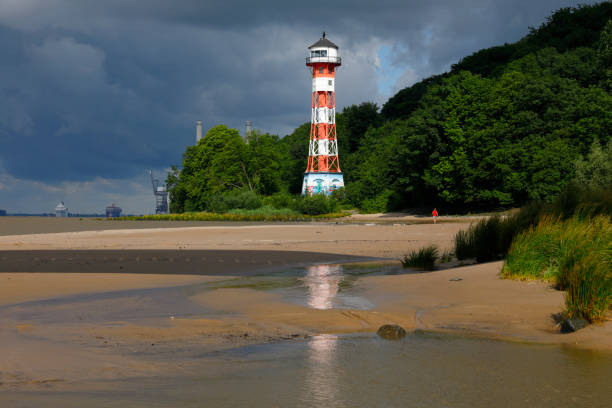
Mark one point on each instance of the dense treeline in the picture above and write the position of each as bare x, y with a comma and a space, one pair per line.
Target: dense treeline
505, 126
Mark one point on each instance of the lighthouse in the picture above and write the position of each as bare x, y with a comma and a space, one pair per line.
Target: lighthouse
323, 175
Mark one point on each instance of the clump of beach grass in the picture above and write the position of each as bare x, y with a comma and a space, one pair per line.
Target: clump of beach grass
424, 258
589, 288
575, 254
489, 238
447, 256
481, 240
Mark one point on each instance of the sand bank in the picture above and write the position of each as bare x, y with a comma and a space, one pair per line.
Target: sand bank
372, 240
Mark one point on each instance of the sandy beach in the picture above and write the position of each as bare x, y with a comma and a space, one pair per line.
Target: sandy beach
91, 295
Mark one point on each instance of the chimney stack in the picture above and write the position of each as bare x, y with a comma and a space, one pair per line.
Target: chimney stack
248, 128
198, 130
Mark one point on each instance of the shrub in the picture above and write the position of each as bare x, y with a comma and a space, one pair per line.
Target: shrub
383, 202
236, 215
217, 204
265, 211
281, 200
424, 258
317, 204
246, 199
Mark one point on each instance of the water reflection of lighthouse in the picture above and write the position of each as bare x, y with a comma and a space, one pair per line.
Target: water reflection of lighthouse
321, 385
322, 282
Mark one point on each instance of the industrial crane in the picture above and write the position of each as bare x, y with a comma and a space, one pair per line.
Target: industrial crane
161, 195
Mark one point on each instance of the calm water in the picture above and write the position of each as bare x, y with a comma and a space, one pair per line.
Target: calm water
319, 287
422, 370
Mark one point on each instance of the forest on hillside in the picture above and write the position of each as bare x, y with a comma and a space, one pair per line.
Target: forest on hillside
505, 126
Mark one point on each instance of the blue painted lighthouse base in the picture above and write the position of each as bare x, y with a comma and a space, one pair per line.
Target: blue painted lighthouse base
321, 183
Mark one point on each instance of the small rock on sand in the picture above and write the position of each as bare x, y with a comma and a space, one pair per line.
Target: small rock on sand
391, 332
571, 325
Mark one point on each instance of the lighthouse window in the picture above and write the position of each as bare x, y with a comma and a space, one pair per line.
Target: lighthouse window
329, 82
318, 53
321, 70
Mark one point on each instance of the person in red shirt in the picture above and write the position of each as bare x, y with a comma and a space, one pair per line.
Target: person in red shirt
434, 213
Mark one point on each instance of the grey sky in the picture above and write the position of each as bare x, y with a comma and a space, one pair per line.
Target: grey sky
94, 93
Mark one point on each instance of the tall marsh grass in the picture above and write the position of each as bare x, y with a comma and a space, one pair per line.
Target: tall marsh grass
567, 242
490, 238
575, 254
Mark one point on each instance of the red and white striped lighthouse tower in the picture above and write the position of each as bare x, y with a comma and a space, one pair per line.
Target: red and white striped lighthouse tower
323, 173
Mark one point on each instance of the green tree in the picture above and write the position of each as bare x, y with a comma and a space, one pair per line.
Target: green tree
356, 121
176, 191
263, 167
604, 52
294, 149
595, 171
218, 163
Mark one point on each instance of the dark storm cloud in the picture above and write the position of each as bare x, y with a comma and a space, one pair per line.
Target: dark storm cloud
106, 89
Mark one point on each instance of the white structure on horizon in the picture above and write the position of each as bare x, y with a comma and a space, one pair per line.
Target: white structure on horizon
61, 210
248, 128
198, 131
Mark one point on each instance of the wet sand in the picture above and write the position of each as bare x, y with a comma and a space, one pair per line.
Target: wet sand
102, 325
211, 262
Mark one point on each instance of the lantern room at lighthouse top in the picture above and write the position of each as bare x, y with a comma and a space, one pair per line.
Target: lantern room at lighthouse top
323, 51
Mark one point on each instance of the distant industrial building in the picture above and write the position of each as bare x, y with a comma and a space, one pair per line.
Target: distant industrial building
2, 213
112, 211
61, 210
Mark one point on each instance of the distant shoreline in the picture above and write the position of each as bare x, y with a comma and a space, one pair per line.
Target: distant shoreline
25, 225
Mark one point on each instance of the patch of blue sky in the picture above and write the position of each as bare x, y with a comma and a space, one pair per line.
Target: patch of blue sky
389, 71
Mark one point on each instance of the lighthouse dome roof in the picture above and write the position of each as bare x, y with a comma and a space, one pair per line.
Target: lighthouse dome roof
324, 42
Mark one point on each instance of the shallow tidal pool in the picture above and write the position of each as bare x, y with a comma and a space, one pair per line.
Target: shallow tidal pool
422, 370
